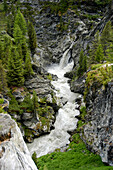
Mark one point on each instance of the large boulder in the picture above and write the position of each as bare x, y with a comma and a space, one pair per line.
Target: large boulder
14, 154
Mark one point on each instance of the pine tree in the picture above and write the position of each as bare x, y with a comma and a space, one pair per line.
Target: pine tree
109, 53
20, 21
28, 71
17, 34
99, 54
15, 69
3, 81
94, 47
106, 36
24, 49
82, 64
32, 38
19, 49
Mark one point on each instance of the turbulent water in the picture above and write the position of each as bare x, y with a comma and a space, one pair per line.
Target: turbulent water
65, 120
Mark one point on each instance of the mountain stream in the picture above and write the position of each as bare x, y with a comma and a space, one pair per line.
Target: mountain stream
65, 119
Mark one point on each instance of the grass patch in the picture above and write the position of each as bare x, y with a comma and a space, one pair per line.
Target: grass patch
77, 157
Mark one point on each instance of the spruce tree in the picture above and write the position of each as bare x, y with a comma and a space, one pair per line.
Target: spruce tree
17, 34
3, 80
24, 49
109, 53
32, 38
20, 21
99, 54
15, 69
28, 71
82, 64
94, 47
106, 36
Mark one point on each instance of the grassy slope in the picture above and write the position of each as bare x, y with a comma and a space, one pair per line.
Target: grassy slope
77, 158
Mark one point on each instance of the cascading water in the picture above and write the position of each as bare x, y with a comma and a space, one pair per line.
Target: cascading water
65, 120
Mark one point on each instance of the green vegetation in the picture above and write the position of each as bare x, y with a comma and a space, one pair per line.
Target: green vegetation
98, 78
76, 157
15, 50
32, 37
82, 64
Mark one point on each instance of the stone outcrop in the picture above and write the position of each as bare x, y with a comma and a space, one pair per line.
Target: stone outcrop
97, 132
14, 154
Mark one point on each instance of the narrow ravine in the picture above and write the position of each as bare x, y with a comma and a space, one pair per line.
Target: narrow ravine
65, 120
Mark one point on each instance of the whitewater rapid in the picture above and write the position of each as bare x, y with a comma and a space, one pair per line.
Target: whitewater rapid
65, 120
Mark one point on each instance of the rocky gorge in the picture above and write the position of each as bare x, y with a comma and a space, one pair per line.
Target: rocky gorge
58, 32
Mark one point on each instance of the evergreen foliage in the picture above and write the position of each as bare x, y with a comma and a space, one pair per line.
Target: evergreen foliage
3, 80
27, 104
28, 71
17, 35
20, 21
106, 36
82, 64
32, 37
15, 69
13, 106
94, 47
99, 56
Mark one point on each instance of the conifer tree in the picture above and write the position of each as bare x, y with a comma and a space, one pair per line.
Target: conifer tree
15, 69
106, 36
28, 71
32, 38
109, 53
17, 34
82, 64
19, 49
20, 21
99, 54
24, 49
3, 81
94, 47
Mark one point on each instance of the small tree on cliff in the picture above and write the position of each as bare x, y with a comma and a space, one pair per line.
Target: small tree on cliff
107, 36
32, 38
82, 64
99, 54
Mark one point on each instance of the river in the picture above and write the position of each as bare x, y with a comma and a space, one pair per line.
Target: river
65, 120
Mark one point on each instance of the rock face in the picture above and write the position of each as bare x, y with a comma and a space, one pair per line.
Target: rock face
97, 132
14, 154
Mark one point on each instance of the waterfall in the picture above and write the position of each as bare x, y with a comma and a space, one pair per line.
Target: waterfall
65, 120
65, 58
